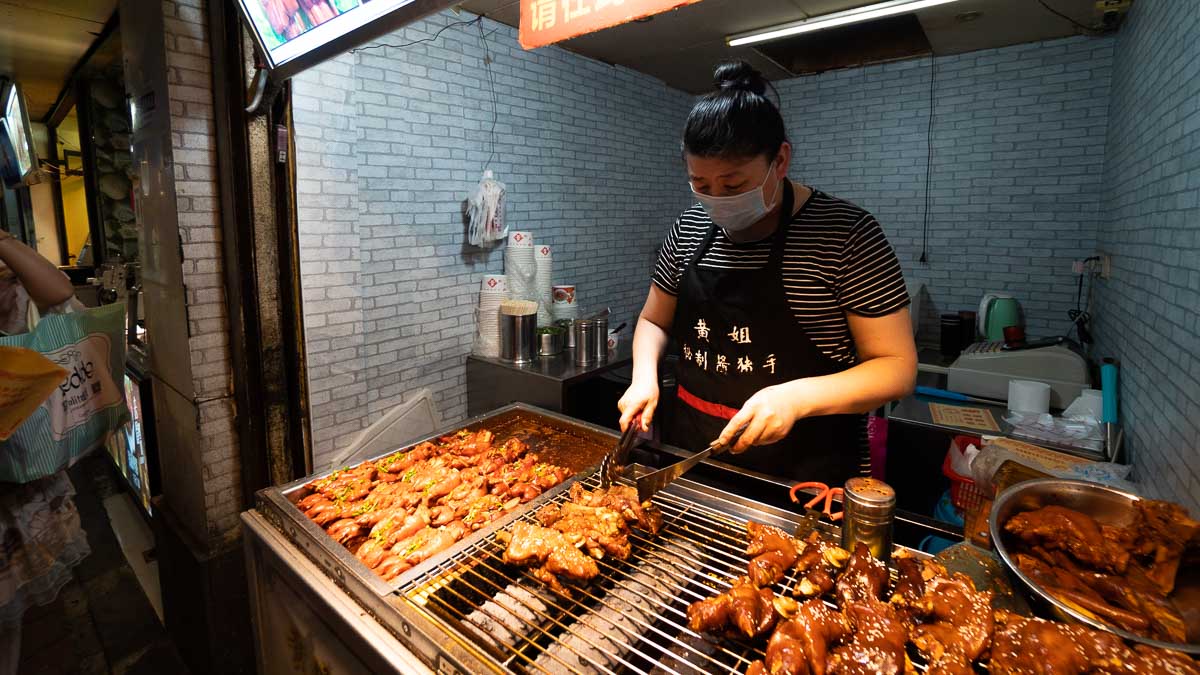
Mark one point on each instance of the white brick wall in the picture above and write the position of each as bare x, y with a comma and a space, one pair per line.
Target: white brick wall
1148, 314
189, 79
1018, 146
389, 144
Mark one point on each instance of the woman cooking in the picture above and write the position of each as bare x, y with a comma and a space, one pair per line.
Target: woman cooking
787, 305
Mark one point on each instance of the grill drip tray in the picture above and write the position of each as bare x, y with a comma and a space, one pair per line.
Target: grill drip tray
630, 619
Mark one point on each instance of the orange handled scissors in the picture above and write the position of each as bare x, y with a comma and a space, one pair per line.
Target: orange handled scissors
824, 492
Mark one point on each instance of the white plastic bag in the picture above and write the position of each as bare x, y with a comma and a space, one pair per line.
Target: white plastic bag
485, 211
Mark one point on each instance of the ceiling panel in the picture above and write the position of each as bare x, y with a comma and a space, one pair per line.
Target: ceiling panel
681, 47
42, 40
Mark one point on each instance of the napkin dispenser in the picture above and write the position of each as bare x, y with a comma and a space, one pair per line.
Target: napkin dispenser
985, 368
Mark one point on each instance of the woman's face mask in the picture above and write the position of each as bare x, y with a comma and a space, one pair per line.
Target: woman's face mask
740, 211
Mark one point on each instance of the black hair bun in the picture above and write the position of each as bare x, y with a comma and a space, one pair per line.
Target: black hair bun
740, 76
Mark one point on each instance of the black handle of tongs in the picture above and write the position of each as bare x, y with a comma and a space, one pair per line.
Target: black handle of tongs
717, 448
620, 455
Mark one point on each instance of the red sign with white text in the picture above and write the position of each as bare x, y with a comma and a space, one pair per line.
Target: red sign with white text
544, 22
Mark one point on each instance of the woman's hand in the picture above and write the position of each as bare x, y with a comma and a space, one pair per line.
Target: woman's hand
768, 416
638, 403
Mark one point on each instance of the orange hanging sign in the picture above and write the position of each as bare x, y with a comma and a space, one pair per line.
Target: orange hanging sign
544, 22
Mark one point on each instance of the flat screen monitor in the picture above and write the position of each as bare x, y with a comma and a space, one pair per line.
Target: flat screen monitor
17, 155
296, 34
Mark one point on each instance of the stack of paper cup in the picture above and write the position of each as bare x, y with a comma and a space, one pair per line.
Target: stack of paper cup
544, 273
563, 304
492, 291
1027, 396
519, 266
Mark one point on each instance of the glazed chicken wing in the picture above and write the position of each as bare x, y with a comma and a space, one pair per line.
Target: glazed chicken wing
959, 626
1063, 529
1036, 646
774, 552
817, 566
599, 530
876, 643
744, 608
622, 499
865, 578
800, 645
551, 550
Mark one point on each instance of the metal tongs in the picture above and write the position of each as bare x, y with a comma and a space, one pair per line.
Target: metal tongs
651, 483
615, 460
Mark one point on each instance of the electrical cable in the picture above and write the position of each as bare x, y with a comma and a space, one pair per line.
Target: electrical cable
477, 20
487, 64
928, 159
1089, 29
1080, 317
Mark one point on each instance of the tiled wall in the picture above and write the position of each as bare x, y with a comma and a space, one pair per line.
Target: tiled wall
590, 156
193, 150
1148, 313
1018, 150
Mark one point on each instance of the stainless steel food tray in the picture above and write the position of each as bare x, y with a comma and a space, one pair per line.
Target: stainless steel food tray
409, 607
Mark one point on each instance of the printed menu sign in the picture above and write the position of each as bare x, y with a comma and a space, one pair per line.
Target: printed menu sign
544, 22
965, 418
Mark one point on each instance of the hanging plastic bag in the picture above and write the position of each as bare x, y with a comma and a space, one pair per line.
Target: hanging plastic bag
85, 408
485, 212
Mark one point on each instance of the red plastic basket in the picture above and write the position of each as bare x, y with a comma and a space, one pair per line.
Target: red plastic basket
964, 493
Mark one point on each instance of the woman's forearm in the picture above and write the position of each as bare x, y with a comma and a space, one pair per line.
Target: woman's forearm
860, 389
45, 284
649, 343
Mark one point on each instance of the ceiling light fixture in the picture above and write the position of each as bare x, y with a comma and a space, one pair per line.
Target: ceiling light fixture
874, 11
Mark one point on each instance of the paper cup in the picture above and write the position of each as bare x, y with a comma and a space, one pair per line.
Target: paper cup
494, 283
563, 294
1027, 396
520, 239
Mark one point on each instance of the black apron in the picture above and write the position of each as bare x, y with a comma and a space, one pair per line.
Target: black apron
737, 335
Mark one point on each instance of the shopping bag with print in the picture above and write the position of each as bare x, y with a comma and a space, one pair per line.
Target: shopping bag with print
86, 407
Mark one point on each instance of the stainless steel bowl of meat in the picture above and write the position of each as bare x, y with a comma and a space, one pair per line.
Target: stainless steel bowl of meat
1105, 558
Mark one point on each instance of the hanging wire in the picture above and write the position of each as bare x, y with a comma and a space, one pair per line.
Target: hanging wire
928, 158
477, 20
1084, 27
487, 64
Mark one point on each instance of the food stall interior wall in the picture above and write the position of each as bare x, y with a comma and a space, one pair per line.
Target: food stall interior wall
1015, 184
74, 196
41, 195
391, 141
1149, 310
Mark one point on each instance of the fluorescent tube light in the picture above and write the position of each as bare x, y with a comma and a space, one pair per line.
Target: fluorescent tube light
874, 11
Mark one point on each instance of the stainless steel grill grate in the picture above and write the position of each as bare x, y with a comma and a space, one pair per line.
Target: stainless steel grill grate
630, 619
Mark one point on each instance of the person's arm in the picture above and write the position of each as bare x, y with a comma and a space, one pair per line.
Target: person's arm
45, 284
887, 370
650, 339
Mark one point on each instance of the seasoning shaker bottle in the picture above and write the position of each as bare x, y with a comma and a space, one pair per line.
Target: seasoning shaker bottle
870, 508
600, 341
585, 338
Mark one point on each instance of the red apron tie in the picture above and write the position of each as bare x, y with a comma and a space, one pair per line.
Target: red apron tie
714, 409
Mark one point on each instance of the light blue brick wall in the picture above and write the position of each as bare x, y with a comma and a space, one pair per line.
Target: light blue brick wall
1018, 152
1148, 313
390, 142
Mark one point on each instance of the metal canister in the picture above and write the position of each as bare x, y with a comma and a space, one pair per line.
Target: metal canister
550, 343
518, 338
568, 326
584, 331
600, 341
870, 508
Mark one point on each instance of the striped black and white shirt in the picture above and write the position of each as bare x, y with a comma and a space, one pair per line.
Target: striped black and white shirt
837, 260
